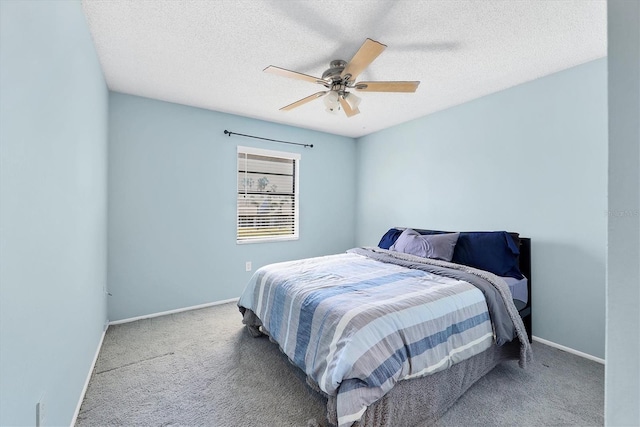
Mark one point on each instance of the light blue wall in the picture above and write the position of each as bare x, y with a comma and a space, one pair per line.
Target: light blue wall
172, 203
622, 373
531, 159
53, 142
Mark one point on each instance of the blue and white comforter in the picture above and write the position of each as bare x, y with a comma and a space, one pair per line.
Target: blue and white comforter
356, 325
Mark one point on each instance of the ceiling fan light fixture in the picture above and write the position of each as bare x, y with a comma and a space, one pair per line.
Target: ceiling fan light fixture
352, 100
331, 102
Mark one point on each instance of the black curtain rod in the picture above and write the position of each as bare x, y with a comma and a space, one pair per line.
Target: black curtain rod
227, 132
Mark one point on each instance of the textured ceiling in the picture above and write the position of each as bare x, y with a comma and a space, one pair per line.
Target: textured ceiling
211, 54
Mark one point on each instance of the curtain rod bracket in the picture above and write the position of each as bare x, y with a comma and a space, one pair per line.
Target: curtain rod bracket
229, 133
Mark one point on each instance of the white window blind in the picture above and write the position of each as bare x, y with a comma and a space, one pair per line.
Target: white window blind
267, 195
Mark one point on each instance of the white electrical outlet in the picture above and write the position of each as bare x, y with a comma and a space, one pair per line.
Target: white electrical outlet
247, 266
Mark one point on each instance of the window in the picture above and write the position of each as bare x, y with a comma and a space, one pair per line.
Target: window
267, 195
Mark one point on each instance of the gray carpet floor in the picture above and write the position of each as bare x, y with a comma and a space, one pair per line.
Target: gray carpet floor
201, 368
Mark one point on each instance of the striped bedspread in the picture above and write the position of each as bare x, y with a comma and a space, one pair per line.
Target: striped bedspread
356, 326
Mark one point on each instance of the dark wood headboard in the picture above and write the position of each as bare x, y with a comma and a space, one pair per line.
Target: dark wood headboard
525, 268
525, 260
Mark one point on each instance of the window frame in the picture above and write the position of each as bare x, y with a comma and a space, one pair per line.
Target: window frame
295, 157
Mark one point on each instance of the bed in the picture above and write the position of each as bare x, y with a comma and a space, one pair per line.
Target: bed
395, 334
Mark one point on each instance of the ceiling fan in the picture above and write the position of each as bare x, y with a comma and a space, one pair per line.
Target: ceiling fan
341, 76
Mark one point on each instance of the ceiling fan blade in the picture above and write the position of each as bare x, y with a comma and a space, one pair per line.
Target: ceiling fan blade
347, 108
303, 101
369, 51
387, 86
291, 74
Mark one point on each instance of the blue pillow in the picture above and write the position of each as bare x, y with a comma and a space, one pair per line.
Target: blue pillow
389, 238
493, 251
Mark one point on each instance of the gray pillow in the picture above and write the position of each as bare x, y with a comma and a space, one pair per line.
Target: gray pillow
436, 246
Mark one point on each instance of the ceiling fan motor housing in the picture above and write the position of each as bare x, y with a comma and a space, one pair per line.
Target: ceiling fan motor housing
335, 70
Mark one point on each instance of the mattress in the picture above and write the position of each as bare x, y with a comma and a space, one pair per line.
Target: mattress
518, 288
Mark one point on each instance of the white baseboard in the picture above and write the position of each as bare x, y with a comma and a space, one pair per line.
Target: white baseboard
568, 350
86, 382
178, 310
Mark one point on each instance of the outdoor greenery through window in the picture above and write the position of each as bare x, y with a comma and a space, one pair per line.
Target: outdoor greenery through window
267, 195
